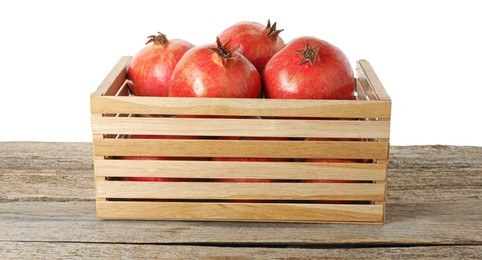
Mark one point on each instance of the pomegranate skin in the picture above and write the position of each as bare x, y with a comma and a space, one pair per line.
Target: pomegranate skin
257, 42
202, 72
325, 74
150, 70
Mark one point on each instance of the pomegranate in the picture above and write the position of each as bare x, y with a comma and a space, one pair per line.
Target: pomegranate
309, 68
258, 43
215, 71
150, 70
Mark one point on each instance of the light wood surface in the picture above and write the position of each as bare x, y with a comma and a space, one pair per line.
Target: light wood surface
248, 170
47, 210
241, 148
239, 107
242, 190
241, 127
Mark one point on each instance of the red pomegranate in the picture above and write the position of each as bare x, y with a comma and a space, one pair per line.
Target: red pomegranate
309, 68
215, 70
150, 70
258, 43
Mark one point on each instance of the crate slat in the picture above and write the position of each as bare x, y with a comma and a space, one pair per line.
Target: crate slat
240, 212
241, 148
241, 190
247, 170
240, 127
240, 107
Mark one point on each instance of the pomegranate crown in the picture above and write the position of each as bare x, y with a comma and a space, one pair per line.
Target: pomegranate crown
309, 54
225, 51
160, 38
271, 30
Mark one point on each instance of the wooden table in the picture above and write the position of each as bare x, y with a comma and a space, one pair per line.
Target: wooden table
47, 210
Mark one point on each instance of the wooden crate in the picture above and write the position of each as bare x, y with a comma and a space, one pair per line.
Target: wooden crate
298, 191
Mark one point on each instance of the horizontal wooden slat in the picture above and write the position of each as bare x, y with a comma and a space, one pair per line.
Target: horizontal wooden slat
246, 170
240, 107
241, 190
241, 148
115, 79
240, 127
239, 212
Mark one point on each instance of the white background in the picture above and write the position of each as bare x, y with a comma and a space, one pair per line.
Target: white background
428, 55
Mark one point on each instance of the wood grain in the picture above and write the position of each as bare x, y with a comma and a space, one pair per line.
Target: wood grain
47, 208
253, 212
32, 171
241, 148
241, 127
449, 223
240, 107
241, 190
43, 250
247, 170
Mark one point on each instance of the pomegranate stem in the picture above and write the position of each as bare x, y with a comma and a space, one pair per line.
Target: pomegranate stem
160, 38
271, 30
224, 50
